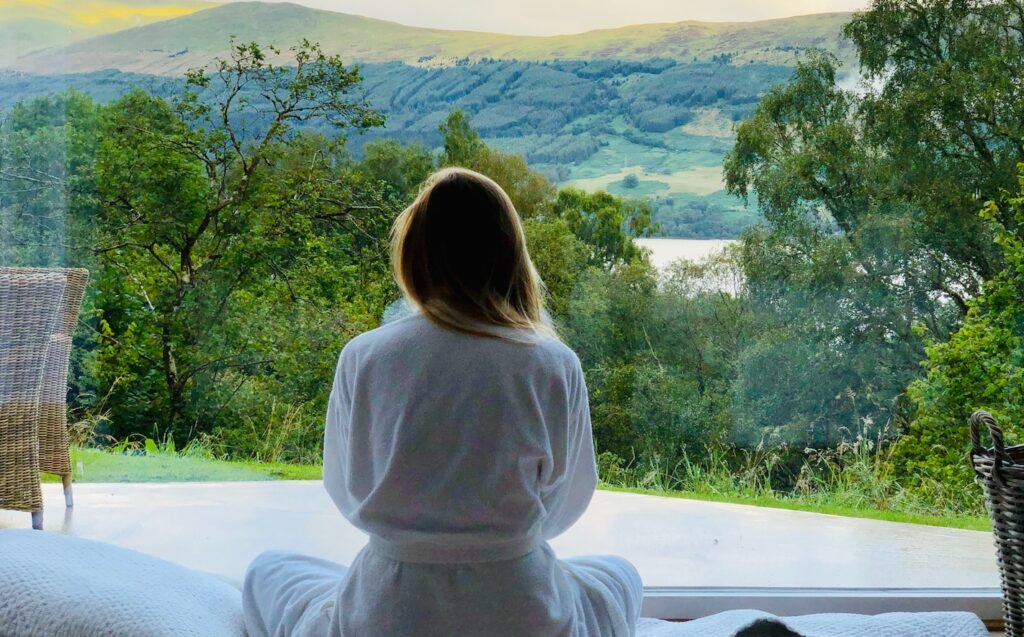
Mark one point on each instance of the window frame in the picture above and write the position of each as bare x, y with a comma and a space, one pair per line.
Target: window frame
686, 603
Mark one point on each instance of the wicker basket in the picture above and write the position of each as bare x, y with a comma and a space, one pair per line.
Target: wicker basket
1001, 473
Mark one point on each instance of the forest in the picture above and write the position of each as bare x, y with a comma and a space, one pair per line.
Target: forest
237, 243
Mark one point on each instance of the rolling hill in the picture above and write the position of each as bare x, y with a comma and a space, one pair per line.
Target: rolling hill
27, 26
171, 46
640, 111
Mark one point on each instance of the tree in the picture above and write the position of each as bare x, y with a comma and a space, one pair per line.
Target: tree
202, 205
605, 223
462, 143
402, 168
47, 157
980, 367
871, 241
529, 190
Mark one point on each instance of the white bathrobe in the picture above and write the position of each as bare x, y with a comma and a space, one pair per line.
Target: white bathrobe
460, 456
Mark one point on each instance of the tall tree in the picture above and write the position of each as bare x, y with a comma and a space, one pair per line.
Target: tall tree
190, 225
869, 195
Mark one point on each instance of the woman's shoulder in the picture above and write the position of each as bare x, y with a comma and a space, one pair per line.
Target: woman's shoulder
557, 349
414, 332
399, 329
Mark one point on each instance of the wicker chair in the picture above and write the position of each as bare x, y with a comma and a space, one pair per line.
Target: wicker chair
54, 450
30, 303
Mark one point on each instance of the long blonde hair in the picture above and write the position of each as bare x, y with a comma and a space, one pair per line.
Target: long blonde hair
459, 254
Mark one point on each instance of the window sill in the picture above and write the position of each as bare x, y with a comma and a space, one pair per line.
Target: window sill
676, 603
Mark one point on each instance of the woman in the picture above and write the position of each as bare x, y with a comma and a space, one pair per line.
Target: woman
459, 439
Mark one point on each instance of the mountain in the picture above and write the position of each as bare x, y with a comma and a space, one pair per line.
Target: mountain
641, 111
28, 26
648, 128
172, 46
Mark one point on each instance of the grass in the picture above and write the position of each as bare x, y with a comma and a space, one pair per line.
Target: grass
97, 465
971, 523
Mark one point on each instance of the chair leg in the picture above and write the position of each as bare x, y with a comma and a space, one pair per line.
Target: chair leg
37, 520
69, 500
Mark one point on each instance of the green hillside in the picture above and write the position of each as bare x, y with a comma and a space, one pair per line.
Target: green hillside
656, 129
27, 26
171, 46
640, 111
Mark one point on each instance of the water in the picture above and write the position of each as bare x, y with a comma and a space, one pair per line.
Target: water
666, 251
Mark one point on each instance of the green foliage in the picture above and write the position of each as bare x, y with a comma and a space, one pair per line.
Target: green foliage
872, 246
401, 168
227, 264
659, 359
529, 190
560, 258
980, 367
606, 223
462, 142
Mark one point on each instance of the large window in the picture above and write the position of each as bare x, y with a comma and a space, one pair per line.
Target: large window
789, 263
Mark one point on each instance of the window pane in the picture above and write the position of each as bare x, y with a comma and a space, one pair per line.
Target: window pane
784, 248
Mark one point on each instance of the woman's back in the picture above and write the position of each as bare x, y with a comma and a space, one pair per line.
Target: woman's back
472, 435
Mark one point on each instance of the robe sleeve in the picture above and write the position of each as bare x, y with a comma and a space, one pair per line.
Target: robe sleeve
574, 477
336, 436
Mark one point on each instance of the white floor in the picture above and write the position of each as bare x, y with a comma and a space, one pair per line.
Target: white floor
220, 527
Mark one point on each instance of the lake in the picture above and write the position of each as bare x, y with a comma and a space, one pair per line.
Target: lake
664, 251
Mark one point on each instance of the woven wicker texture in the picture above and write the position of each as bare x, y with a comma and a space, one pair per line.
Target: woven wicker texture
30, 302
54, 451
1001, 473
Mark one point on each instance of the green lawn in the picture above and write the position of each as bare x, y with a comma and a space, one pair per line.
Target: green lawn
971, 523
94, 465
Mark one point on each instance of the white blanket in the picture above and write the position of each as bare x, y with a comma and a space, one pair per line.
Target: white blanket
57, 586
53, 585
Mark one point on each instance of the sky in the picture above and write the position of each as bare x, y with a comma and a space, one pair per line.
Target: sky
551, 17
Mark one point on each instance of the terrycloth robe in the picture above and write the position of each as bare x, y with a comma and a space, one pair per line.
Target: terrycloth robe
460, 456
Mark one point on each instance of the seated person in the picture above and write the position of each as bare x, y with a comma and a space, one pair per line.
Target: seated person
459, 439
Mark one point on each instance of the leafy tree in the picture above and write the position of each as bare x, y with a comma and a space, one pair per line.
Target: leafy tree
206, 214
47, 156
402, 168
981, 366
606, 223
529, 190
560, 258
871, 240
462, 142
948, 114
48, 205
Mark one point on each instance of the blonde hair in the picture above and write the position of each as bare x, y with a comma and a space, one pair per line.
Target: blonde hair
459, 254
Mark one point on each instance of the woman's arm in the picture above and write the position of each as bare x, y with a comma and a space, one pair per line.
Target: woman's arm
575, 472
336, 451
